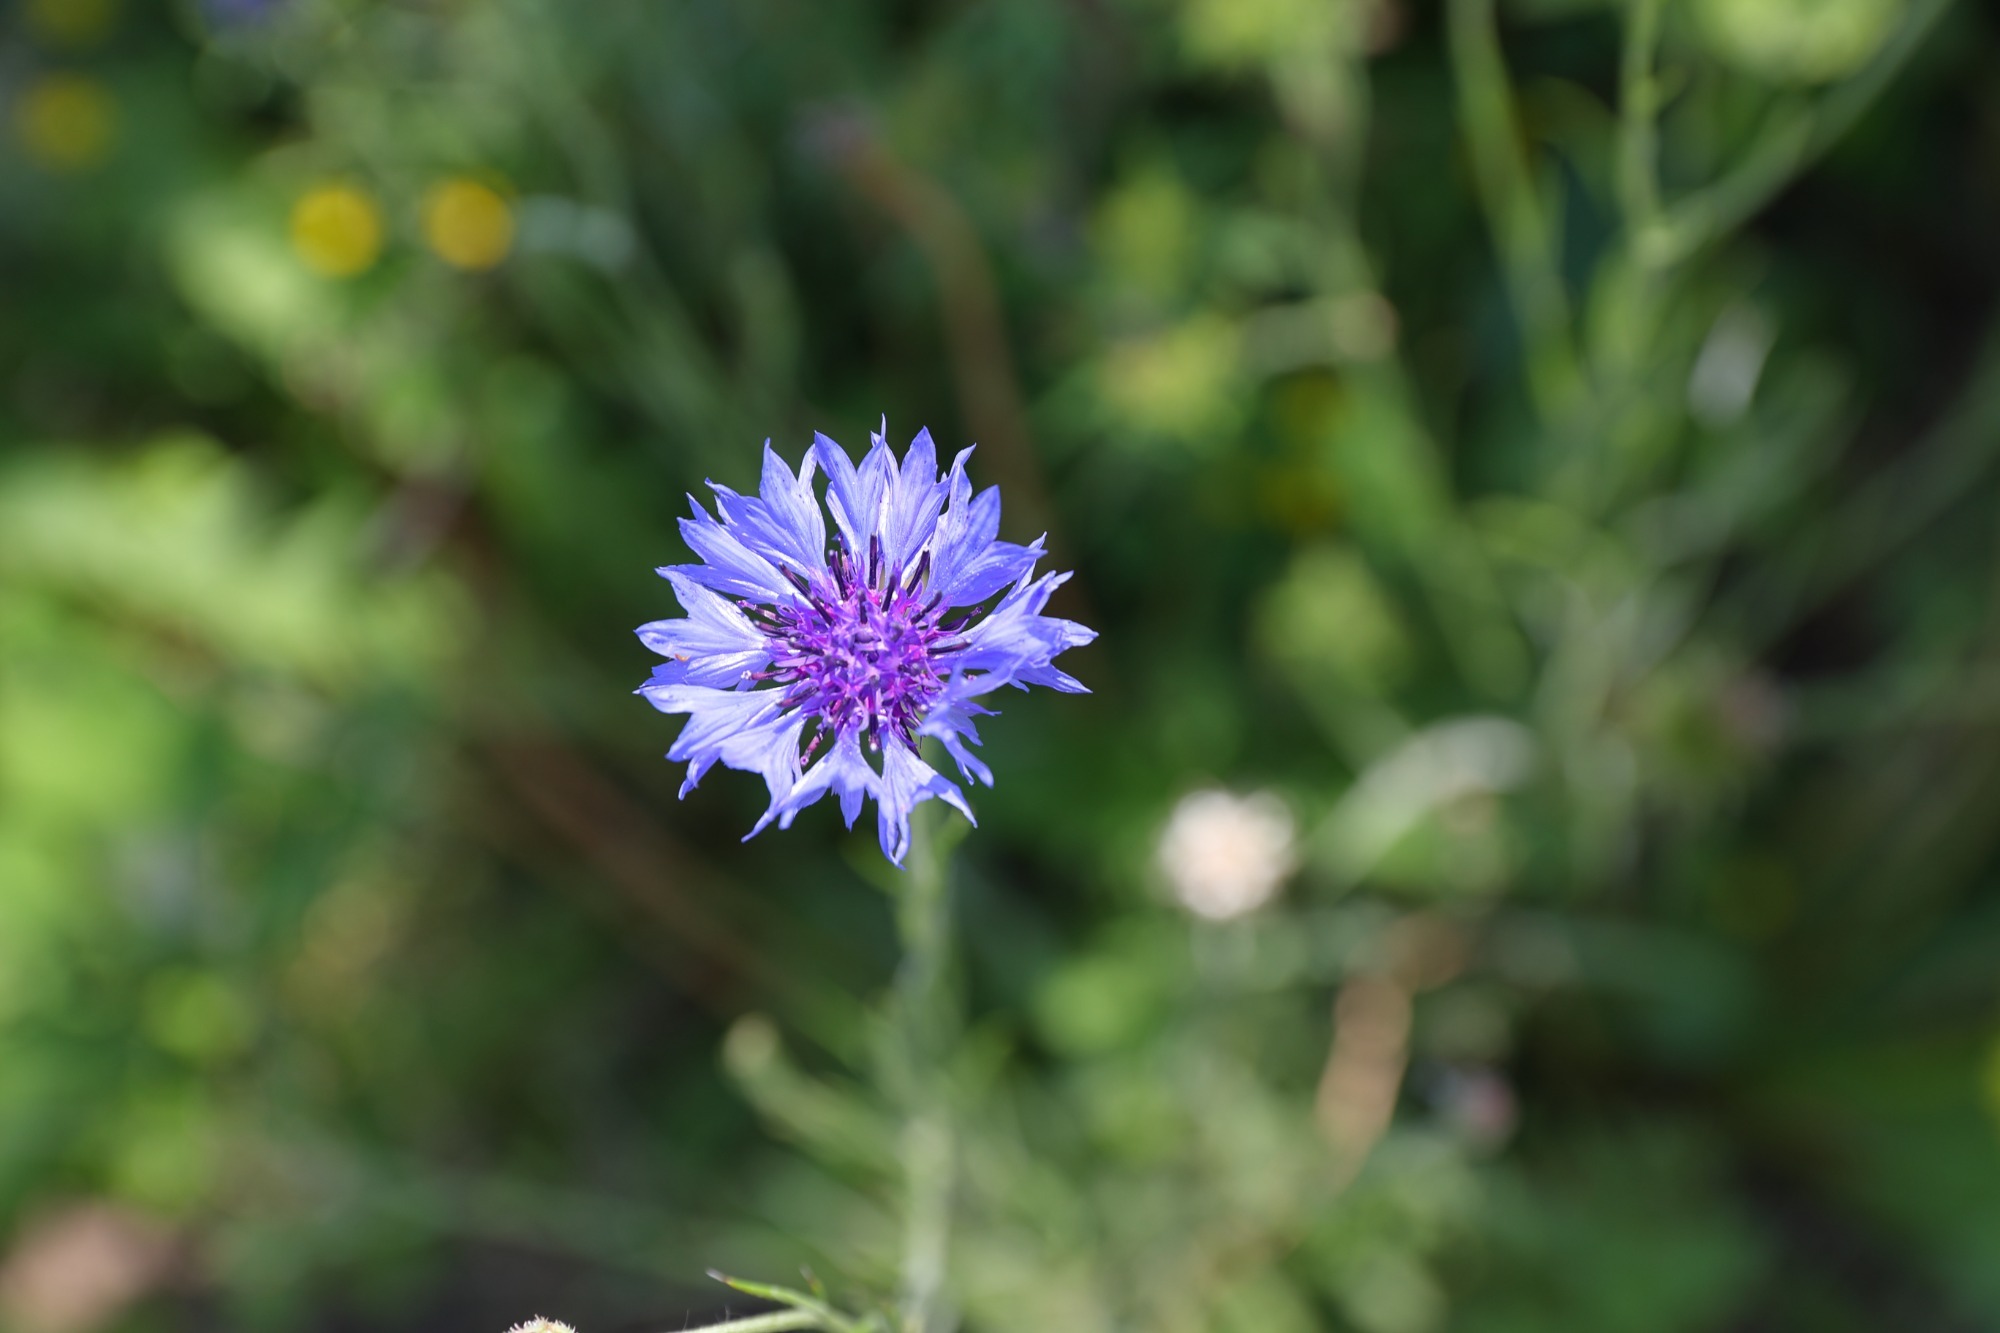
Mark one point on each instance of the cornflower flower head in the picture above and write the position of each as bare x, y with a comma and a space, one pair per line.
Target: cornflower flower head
819, 661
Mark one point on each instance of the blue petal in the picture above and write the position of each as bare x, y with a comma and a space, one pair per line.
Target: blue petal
951, 725
1053, 677
740, 729
1018, 642
715, 644
910, 504
771, 749
841, 770
730, 566
964, 529
783, 520
715, 717
907, 782
841, 483
967, 564
997, 566
854, 496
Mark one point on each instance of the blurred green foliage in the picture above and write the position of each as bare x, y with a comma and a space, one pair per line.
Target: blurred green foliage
1552, 449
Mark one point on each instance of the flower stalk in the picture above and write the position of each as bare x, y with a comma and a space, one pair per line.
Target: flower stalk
925, 1028
824, 657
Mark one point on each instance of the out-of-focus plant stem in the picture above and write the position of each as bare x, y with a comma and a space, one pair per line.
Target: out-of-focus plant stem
1370, 1054
1623, 329
1887, 512
924, 1023
1789, 147
1506, 186
1327, 101
1638, 118
775, 1322
975, 326
804, 1310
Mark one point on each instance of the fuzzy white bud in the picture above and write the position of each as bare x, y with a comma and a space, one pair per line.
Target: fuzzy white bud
1225, 854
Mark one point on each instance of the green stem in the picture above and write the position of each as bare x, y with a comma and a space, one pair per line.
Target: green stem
778, 1321
925, 1027
1626, 325
1514, 214
1638, 120
1787, 150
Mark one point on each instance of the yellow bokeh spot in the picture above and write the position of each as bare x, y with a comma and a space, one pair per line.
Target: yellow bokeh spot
1181, 383
70, 22
66, 122
336, 230
468, 224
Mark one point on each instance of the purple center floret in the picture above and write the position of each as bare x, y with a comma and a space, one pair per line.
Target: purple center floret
863, 654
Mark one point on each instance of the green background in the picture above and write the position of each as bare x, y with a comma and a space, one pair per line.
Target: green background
1564, 477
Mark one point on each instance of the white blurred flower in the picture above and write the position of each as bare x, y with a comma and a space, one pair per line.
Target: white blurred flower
540, 1325
1225, 854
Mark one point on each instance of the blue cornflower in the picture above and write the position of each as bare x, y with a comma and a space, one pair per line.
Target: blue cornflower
857, 647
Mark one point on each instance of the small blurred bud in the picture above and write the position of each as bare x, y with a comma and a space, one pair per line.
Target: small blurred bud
1224, 854
541, 1325
66, 122
1477, 1102
337, 230
1797, 41
1363, 326
750, 1046
467, 224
